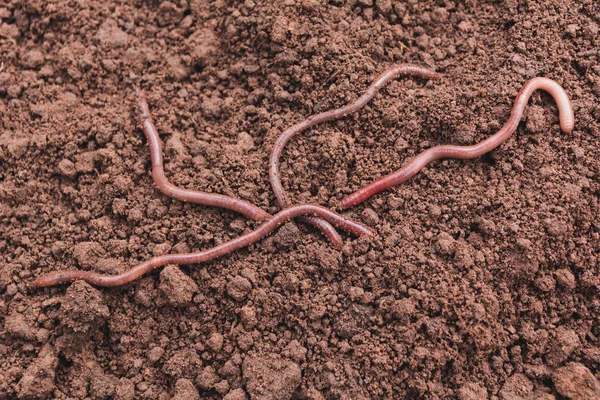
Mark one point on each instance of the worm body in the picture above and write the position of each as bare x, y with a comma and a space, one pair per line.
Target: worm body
59, 277
566, 118
190, 196
198, 197
286, 136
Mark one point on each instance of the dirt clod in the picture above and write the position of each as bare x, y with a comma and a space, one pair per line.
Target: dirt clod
215, 342
472, 391
576, 381
111, 35
183, 363
270, 377
517, 387
16, 325
236, 394
185, 390
38, 380
125, 390
33, 59
565, 341
207, 378
565, 278
6, 275
177, 287
83, 308
67, 168
239, 287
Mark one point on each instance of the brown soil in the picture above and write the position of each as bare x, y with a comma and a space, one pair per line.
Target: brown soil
483, 277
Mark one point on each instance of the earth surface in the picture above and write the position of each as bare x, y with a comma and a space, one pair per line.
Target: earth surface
482, 279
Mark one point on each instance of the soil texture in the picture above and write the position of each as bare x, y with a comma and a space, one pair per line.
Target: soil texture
482, 280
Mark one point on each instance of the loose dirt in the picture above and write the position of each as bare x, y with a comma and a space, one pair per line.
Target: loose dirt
481, 282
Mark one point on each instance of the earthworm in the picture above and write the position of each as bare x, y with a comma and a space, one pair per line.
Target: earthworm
566, 118
190, 196
286, 136
59, 277
193, 196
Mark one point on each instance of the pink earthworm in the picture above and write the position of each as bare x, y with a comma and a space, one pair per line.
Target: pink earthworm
190, 196
198, 197
566, 118
286, 136
60, 277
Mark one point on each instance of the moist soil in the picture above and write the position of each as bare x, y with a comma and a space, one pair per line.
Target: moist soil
480, 281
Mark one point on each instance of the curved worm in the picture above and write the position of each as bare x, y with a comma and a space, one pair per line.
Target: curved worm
59, 277
566, 118
190, 196
394, 72
193, 196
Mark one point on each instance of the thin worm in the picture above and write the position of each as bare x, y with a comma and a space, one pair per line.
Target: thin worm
193, 196
286, 136
60, 277
566, 118
190, 196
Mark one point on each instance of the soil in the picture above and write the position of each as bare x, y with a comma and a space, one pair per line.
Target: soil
482, 280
